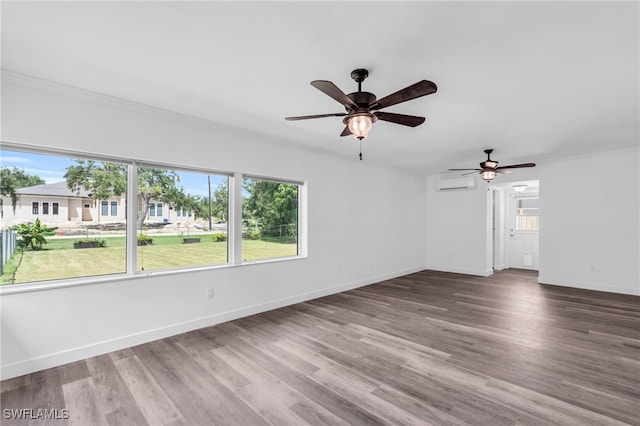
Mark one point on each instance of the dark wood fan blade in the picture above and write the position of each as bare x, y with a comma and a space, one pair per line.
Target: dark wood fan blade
346, 131
462, 170
517, 166
330, 89
306, 117
421, 88
405, 120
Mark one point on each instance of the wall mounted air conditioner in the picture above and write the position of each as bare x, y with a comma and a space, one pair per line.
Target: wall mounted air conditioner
459, 183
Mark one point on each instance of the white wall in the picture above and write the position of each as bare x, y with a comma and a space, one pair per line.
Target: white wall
364, 224
458, 231
589, 225
590, 222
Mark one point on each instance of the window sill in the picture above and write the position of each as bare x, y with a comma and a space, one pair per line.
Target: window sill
8, 289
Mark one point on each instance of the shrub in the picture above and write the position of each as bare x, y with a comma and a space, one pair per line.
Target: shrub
32, 234
219, 237
101, 242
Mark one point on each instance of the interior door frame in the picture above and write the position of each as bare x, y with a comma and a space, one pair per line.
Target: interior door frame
499, 220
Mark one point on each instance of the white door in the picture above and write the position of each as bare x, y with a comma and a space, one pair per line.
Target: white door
524, 227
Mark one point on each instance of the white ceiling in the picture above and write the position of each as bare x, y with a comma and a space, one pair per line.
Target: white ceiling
532, 80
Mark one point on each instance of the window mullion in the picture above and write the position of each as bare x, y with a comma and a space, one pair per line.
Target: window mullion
132, 214
302, 220
234, 222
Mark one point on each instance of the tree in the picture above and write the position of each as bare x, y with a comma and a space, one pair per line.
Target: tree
14, 178
188, 202
32, 234
200, 204
272, 206
159, 185
220, 202
103, 180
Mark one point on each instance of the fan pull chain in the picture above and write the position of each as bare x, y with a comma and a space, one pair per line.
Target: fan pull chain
360, 149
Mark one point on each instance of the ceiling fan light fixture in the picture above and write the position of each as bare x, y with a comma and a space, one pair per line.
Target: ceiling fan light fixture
360, 125
488, 175
489, 168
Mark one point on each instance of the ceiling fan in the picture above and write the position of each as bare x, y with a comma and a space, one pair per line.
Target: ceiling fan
362, 107
489, 168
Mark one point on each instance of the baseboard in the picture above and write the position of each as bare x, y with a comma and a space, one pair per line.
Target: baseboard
587, 285
79, 353
500, 267
465, 271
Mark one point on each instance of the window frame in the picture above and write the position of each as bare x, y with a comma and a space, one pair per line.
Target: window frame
134, 211
301, 196
516, 200
234, 221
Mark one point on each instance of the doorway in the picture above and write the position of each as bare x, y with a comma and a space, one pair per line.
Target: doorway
524, 227
516, 225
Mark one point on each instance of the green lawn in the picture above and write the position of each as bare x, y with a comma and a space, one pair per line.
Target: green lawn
59, 259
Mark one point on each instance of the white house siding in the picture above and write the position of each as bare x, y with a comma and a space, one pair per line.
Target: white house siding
70, 209
98, 215
75, 209
169, 214
24, 209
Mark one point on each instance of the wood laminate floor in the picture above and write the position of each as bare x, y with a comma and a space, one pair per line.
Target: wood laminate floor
427, 348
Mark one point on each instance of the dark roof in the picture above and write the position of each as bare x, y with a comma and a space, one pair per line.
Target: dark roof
58, 189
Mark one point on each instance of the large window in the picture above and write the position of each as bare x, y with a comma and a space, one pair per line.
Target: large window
166, 241
78, 244
178, 218
270, 219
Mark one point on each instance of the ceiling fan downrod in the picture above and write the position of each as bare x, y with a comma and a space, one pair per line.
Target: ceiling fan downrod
359, 76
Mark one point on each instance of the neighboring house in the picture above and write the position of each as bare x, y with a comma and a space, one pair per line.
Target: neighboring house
56, 203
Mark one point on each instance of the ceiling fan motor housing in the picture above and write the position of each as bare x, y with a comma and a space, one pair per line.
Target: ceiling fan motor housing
362, 99
489, 163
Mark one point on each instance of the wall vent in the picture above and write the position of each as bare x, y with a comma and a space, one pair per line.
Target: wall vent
459, 183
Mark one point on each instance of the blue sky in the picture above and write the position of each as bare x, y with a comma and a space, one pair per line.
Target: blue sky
52, 168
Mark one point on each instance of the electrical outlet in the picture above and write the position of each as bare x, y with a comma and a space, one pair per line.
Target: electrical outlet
210, 293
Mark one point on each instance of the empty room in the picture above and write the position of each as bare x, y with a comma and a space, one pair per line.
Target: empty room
320, 213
